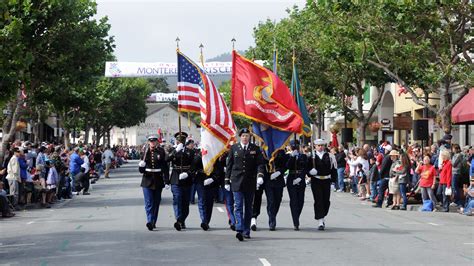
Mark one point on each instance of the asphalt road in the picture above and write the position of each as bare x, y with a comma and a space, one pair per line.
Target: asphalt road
108, 228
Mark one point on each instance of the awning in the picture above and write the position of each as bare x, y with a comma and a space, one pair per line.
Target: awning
463, 111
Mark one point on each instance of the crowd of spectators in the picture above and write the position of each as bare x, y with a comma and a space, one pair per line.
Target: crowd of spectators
39, 175
440, 177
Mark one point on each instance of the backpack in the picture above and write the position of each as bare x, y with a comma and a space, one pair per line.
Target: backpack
427, 206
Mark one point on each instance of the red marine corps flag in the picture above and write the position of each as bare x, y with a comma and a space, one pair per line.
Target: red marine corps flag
261, 96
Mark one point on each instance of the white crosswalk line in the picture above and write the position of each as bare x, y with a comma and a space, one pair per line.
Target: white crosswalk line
264, 262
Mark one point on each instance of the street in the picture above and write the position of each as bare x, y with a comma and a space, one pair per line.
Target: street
108, 228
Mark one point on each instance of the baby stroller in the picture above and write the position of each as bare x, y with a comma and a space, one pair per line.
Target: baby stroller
415, 192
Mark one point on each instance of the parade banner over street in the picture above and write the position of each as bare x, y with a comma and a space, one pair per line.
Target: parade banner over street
143, 69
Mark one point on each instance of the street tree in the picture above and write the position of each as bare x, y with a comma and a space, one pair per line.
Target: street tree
425, 45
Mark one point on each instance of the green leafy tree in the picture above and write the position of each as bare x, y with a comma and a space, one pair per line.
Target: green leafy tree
425, 45
118, 102
331, 57
159, 85
57, 50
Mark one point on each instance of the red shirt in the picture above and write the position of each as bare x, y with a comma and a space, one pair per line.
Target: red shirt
427, 174
379, 160
446, 173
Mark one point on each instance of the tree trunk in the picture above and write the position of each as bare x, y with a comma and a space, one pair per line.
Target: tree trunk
67, 141
108, 137
9, 125
361, 134
444, 112
86, 135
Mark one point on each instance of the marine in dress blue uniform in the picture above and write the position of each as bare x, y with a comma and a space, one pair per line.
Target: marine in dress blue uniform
155, 177
181, 159
245, 167
297, 165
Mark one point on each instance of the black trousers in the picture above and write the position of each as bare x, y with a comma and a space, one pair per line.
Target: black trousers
321, 194
4, 208
296, 193
274, 196
257, 202
384, 186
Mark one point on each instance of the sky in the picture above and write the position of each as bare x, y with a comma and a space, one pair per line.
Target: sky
145, 30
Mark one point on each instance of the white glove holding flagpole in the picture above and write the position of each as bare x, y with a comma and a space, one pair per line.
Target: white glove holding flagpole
208, 181
275, 175
141, 164
259, 181
183, 176
180, 147
297, 181
313, 172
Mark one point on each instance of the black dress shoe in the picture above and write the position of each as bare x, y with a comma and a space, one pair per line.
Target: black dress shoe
376, 206
232, 227
254, 227
177, 226
239, 236
154, 225
183, 225
296, 228
204, 226
86, 193
149, 226
247, 236
272, 228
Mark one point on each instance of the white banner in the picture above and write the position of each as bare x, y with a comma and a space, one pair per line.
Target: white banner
137, 69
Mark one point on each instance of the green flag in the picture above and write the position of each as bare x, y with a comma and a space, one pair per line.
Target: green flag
296, 92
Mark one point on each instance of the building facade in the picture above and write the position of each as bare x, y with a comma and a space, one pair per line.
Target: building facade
160, 117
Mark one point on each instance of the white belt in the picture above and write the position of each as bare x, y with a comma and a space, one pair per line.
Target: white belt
152, 170
322, 177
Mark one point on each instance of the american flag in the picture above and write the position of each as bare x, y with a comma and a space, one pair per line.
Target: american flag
197, 93
190, 86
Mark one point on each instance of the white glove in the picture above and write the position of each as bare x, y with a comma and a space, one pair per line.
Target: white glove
313, 172
208, 181
259, 181
167, 187
141, 164
275, 175
183, 176
227, 187
308, 181
294, 153
180, 147
297, 181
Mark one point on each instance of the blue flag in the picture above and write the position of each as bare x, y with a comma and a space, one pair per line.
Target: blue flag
296, 92
272, 139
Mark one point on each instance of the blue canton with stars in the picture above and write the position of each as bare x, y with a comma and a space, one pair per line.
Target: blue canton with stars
187, 72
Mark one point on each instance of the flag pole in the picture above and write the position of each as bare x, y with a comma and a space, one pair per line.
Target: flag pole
293, 57
179, 112
233, 43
